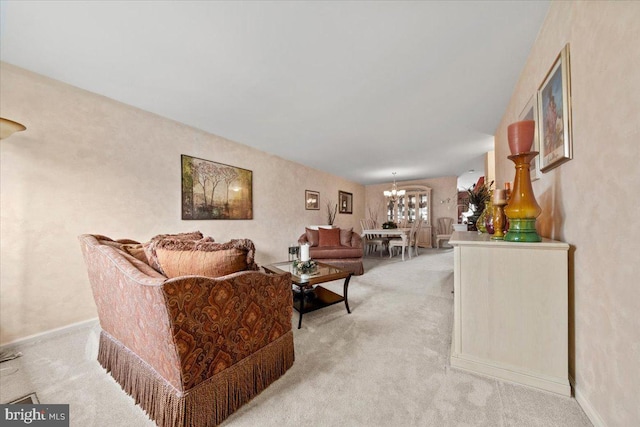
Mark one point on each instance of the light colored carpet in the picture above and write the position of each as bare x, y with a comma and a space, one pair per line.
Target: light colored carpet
384, 364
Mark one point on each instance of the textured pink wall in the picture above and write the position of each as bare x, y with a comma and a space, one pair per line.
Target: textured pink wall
88, 164
590, 202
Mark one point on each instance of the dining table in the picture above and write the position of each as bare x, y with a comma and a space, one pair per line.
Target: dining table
403, 233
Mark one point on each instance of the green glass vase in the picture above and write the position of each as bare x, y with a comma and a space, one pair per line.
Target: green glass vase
486, 213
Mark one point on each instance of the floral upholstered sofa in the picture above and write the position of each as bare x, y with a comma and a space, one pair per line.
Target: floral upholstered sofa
340, 247
190, 349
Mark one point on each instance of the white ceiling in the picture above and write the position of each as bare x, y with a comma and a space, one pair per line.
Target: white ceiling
358, 89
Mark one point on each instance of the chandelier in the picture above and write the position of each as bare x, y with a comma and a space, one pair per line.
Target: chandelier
394, 193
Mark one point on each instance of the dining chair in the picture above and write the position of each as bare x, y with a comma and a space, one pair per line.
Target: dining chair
372, 241
445, 229
413, 239
364, 224
403, 244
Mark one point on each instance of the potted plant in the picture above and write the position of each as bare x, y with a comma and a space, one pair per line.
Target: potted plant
479, 194
331, 212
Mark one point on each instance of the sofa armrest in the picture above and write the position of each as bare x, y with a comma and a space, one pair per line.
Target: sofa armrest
217, 322
131, 305
303, 239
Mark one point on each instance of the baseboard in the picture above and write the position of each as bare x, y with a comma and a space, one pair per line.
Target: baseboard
52, 333
590, 412
507, 373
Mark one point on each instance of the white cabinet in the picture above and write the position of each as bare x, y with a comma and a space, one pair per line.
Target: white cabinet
424, 236
511, 310
415, 204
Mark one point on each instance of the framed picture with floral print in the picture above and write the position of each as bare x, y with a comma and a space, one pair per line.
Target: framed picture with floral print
554, 114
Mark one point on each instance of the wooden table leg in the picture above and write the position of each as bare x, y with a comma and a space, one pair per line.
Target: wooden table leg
301, 311
345, 288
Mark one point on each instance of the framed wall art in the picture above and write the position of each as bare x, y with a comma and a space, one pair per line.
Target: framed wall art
530, 112
554, 114
311, 200
213, 190
345, 202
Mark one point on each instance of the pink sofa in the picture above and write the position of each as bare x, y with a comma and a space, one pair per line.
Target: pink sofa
344, 252
190, 350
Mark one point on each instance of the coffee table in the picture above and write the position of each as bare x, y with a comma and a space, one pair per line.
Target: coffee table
306, 295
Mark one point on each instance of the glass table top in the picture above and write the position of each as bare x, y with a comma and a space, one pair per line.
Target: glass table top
323, 273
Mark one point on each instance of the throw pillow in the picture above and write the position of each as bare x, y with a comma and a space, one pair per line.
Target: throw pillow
150, 246
312, 237
201, 258
329, 237
345, 236
192, 235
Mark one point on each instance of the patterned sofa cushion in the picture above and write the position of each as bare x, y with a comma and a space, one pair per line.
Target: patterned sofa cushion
204, 258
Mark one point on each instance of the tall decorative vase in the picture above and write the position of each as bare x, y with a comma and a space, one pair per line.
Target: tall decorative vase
522, 209
480, 222
487, 215
498, 222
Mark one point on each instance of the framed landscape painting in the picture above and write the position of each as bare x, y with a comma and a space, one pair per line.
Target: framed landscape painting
213, 190
311, 200
530, 112
554, 113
